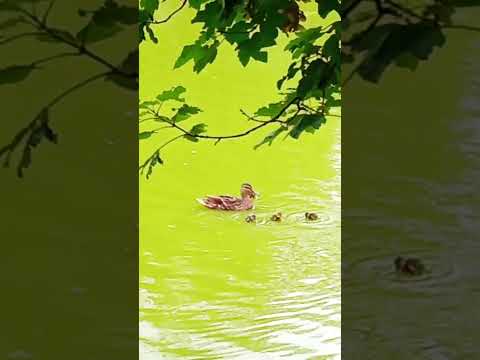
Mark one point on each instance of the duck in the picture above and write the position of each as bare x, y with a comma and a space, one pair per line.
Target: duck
251, 218
311, 216
409, 266
230, 203
276, 217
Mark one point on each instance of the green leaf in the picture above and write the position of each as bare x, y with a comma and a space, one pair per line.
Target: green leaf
326, 6
154, 161
387, 42
147, 104
238, 32
198, 129
244, 57
145, 135
188, 53
270, 110
308, 123
208, 55
149, 5
172, 94
93, 33
190, 138
185, 112
261, 56
196, 4
15, 73
331, 48
314, 77
269, 138
292, 71
211, 15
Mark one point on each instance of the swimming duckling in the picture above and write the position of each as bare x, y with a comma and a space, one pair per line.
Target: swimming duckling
410, 266
276, 217
251, 218
311, 216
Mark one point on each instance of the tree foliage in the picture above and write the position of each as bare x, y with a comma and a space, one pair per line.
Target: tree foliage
382, 33
309, 89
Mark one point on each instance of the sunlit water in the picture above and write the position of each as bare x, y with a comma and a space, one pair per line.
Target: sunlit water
211, 285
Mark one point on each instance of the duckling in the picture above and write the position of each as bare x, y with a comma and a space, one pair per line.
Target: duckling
276, 217
410, 266
251, 218
311, 216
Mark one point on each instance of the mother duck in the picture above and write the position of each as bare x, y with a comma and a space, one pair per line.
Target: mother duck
226, 202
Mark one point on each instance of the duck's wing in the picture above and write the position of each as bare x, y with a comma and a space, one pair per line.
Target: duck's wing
228, 198
222, 202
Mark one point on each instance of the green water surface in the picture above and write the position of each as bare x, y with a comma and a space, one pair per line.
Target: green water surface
211, 285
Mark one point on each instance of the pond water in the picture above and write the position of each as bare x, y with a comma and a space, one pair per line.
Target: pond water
413, 195
211, 285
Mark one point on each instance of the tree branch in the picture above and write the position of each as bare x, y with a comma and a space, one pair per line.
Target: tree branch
155, 153
81, 48
182, 5
8, 149
47, 12
245, 133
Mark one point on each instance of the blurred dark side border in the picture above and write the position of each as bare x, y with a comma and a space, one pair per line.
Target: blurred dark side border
410, 174
69, 179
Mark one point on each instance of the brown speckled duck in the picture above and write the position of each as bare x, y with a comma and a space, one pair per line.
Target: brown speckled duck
231, 203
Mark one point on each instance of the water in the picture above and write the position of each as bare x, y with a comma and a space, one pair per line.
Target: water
211, 285
415, 197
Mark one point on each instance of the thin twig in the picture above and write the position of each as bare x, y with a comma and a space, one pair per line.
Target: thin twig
184, 2
53, 57
461, 27
252, 118
47, 12
145, 163
82, 49
15, 37
76, 87
8, 149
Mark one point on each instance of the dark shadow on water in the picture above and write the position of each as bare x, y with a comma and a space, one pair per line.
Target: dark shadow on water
68, 181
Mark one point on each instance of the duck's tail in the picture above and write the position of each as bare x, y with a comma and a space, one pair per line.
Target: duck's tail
202, 201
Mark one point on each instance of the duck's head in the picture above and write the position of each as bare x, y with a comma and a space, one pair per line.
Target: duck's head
311, 216
247, 191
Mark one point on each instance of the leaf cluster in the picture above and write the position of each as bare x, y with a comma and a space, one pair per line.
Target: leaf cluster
311, 86
395, 33
178, 112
